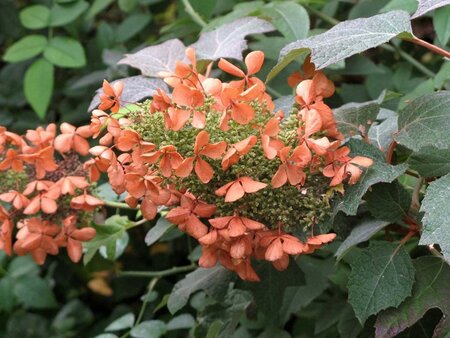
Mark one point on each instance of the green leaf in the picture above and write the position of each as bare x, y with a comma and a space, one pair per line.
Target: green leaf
214, 329
131, 26
213, 281
34, 293
161, 227
25, 48
96, 7
388, 202
183, 321
441, 23
204, 7
346, 39
35, 17
154, 59
380, 171
407, 5
348, 325
352, 117
63, 14
149, 329
430, 291
128, 5
442, 76
65, 52
436, 225
228, 41
72, 315
382, 276
6, 296
290, 18
22, 266
430, 161
425, 122
426, 6
381, 133
38, 86
124, 322
362, 232
269, 302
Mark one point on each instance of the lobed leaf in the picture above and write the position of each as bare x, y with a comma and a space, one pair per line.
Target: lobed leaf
430, 291
388, 202
382, 276
426, 6
346, 39
154, 59
436, 225
135, 88
427, 116
381, 133
228, 41
430, 161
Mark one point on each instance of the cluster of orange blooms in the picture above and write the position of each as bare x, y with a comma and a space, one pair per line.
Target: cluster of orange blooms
43, 195
204, 176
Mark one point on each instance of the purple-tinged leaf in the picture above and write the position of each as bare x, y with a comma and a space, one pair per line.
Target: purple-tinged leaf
154, 59
135, 88
228, 41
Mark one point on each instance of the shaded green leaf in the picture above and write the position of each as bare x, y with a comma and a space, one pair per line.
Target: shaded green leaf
214, 329
388, 202
345, 39
441, 23
382, 276
380, 171
213, 281
34, 293
38, 86
124, 322
96, 7
22, 266
6, 296
348, 325
436, 225
430, 161
25, 48
381, 133
362, 232
183, 321
158, 230
290, 18
430, 291
128, 5
228, 41
131, 26
35, 17
65, 52
62, 14
149, 329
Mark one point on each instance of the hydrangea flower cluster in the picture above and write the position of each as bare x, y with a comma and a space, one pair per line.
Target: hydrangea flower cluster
244, 180
44, 195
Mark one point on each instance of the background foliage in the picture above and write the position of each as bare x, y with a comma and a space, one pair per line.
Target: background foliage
55, 55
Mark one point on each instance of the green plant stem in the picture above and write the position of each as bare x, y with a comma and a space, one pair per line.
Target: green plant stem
118, 205
430, 46
158, 274
193, 14
387, 47
150, 288
415, 199
140, 222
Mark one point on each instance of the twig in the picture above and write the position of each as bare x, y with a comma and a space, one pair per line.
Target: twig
193, 14
415, 199
390, 152
158, 274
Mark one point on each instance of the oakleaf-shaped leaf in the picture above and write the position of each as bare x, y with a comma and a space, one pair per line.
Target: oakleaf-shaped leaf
389, 202
425, 121
228, 41
436, 220
360, 233
382, 276
353, 116
213, 281
346, 39
154, 59
381, 133
135, 88
428, 5
380, 171
430, 161
430, 291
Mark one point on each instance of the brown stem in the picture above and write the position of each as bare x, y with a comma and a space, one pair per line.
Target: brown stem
429, 46
390, 152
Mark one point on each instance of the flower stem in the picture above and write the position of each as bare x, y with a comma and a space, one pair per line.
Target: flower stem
118, 205
390, 152
158, 274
